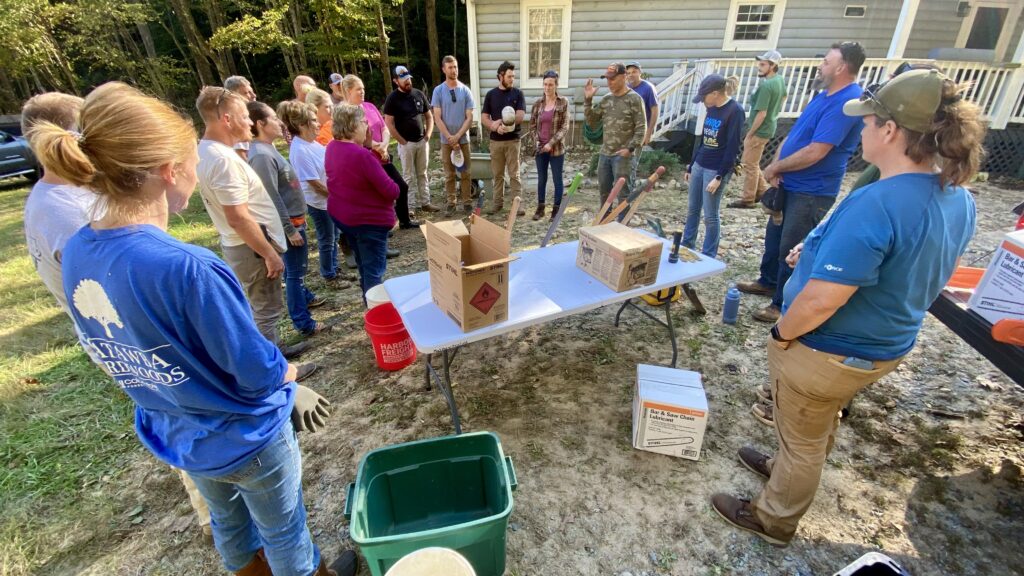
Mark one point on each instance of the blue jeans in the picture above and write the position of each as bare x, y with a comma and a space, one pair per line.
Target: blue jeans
543, 161
297, 295
801, 213
370, 247
610, 169
327, 241
260, 506
700, 178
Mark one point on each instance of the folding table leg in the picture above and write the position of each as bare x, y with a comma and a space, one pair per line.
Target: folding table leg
444, 384
667, 323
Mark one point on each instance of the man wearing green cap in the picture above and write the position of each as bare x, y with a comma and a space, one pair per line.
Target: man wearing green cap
861, 285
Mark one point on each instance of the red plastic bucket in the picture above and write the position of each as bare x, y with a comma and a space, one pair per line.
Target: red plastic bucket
391, 343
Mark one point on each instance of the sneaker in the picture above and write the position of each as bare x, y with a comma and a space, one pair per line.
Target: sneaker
741, 204
755, 461
294, 350
765, 413
409, 225
316, 302
769, 314
393, 253
305, 370
755, 287
429, 208
736, 511
341, 276
764, 392
325, 326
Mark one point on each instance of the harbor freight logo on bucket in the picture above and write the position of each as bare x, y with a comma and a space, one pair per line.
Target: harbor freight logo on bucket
485, 298
395, 352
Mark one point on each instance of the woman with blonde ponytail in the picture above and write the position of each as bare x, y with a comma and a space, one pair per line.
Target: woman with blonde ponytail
170, 322
861, 284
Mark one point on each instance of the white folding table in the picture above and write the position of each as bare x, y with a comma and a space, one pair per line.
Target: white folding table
544, 285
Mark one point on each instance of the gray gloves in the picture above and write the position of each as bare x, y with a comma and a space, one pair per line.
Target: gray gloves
310, 411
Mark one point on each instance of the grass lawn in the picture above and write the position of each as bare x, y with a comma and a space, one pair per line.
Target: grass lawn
65, 428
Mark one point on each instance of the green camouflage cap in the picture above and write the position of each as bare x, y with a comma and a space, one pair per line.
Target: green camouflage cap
910, 100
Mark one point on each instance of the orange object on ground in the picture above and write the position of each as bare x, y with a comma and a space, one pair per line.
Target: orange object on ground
392, 345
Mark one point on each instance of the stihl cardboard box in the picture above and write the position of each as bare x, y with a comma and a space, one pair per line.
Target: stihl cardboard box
670, 411
620, 257
1000, 294
469, 269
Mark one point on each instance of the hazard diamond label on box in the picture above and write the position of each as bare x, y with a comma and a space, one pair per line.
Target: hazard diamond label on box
485, 298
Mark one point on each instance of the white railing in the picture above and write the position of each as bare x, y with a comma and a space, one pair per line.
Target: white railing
988, 83
674, 95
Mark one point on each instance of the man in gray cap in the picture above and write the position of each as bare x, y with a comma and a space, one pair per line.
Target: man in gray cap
621, 115
409, 119
337, 97
763, 119
646, 91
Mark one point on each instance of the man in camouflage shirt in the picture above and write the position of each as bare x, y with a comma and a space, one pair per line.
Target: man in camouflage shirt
625, 123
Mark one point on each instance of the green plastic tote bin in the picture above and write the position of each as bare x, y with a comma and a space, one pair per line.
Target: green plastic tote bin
453, 492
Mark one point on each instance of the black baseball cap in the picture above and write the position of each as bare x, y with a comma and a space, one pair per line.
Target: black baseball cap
710, 83
614, 69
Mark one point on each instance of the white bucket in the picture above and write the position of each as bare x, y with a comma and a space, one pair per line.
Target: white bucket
376, 296
432, 562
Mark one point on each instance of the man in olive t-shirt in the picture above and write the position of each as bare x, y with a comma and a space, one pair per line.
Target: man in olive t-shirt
762, 121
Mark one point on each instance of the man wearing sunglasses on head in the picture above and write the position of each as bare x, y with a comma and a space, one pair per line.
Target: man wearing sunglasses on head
452, 103
810, 166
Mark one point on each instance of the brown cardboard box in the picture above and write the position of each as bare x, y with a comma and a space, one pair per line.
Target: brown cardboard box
620, 257
469, 269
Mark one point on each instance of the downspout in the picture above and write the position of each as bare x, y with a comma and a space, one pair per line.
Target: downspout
474, 59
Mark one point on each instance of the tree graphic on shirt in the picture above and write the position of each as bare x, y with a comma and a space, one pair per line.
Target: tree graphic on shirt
92, 302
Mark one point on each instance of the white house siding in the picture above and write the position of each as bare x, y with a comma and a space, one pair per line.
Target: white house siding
659, 33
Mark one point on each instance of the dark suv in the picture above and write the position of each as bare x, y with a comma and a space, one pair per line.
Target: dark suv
16, 158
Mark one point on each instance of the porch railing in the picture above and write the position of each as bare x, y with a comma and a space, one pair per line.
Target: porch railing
997, 88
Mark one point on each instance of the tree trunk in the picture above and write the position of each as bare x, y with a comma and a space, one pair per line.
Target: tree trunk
194, 73
222, 59
293, 10
147, 38
435, 57
155, 81
405, 33
197, 46
383, 42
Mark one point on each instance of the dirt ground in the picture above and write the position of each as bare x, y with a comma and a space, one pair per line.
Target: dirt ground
927, 469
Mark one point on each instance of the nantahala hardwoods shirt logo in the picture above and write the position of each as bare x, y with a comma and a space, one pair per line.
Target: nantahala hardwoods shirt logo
129, 365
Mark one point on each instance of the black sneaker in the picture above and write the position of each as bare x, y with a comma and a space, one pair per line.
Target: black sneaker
393, 253
346, 564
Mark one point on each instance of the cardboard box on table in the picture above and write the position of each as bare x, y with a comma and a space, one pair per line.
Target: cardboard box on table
670, 411
469, 269
620, 257
1000, 294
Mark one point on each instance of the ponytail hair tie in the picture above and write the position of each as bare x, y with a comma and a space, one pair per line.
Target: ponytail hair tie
79, 137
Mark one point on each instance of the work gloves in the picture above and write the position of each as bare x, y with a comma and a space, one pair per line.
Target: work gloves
310, 411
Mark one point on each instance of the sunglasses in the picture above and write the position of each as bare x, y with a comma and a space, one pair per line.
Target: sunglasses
452, 92
871, 93
224, 92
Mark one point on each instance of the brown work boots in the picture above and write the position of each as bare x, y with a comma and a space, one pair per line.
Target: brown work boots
344, 565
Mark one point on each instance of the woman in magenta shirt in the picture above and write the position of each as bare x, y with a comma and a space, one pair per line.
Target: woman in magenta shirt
360, 194
377, 140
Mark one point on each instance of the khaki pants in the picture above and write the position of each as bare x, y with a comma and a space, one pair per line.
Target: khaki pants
754, 184
265, 295
505, 156
414, 169
197, 500
809, 389
450, 174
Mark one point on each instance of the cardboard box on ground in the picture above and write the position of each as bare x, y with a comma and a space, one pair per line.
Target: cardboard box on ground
469, 268
620, 257
670, 411
1000, 294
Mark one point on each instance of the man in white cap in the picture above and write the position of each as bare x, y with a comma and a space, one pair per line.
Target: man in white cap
408, 117
337, 97
763, 119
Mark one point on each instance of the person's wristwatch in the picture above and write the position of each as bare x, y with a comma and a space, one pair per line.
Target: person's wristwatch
778, 337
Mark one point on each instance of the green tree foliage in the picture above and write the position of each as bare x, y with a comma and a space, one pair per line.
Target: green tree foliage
172, 47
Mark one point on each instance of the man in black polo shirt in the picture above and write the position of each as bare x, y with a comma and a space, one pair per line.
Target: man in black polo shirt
408, 117
504, 137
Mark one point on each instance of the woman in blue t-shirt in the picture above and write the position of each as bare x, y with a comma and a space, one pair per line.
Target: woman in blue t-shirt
714, 157
170, 323
861, 285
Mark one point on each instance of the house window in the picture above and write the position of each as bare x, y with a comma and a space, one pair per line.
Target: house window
544, 41
753, 25
855, 11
